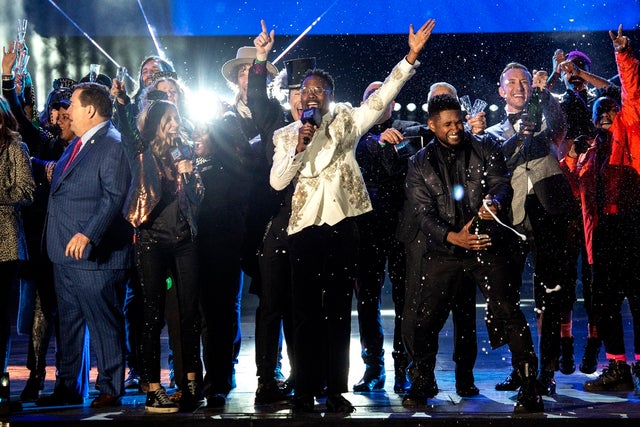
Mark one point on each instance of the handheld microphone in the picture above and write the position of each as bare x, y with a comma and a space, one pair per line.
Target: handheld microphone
312, 116
181, 152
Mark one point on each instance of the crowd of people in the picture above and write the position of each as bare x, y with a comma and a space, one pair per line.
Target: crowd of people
121, 215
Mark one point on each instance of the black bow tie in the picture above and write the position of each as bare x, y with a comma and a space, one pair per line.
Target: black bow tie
513, 118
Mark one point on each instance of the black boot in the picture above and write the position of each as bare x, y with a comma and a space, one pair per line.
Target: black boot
589, 362
567, 362
617, 377
374, 374
400, 363
528, 399
511, 383
32, 388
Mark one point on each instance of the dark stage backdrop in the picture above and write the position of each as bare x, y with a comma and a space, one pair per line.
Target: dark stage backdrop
471, 62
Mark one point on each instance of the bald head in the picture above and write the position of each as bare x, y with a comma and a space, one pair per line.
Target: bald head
370, 89
441, 88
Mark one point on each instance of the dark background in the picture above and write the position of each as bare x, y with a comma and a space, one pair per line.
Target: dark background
471, 62
470, 46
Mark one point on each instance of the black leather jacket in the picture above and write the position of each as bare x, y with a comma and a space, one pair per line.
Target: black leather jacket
430, 191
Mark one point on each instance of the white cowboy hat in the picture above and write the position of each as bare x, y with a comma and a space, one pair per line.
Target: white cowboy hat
245, 55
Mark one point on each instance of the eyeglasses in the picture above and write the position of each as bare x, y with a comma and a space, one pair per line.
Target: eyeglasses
315, 90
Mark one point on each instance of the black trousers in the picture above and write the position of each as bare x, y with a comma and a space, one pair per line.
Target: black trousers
154, 260
465, 343
220, 290
616, 276
274, 313
323, 262
378, 249
428, 306
8, 273
548, 242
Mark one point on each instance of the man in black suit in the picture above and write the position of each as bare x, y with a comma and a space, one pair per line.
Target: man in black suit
89, 243
541, 208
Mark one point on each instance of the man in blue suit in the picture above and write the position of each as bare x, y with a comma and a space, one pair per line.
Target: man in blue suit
89, 243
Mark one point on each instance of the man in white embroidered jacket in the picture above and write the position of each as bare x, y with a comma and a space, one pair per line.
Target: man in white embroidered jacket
318, 154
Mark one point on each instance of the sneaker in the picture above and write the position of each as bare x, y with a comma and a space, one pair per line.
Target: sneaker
159, 403
192, 396
635, 373
617, 377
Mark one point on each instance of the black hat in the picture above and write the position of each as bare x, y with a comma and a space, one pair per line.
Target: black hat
296, 69
102, 79
63, 82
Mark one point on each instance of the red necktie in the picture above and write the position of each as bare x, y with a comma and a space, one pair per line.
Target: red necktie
74, 153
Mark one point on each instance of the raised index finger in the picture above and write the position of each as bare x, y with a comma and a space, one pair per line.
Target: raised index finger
264, 26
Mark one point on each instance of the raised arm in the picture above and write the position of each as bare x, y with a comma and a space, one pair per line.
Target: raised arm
418, 39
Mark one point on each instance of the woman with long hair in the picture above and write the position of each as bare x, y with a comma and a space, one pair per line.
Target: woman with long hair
162, 204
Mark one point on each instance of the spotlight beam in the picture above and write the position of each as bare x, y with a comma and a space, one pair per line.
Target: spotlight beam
152, 33
304, 33
53, 3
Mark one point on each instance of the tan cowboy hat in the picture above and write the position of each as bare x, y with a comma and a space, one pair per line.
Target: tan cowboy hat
245, 55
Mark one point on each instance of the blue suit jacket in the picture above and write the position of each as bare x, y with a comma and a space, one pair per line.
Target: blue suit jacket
87, 198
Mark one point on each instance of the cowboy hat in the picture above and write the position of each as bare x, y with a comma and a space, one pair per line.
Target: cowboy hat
245, 55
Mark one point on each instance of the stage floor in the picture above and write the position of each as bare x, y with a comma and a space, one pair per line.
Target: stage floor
570, 406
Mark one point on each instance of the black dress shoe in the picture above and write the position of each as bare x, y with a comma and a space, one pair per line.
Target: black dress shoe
60, 397
31, 391
269, 393
413, 400
467, 390
106, 401
546, 385
465, 382
132, 381
511, 383
370, 381
337, 403
216, 401
303, 404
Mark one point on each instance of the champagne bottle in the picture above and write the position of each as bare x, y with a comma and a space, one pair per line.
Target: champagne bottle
535, 109
478, 226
